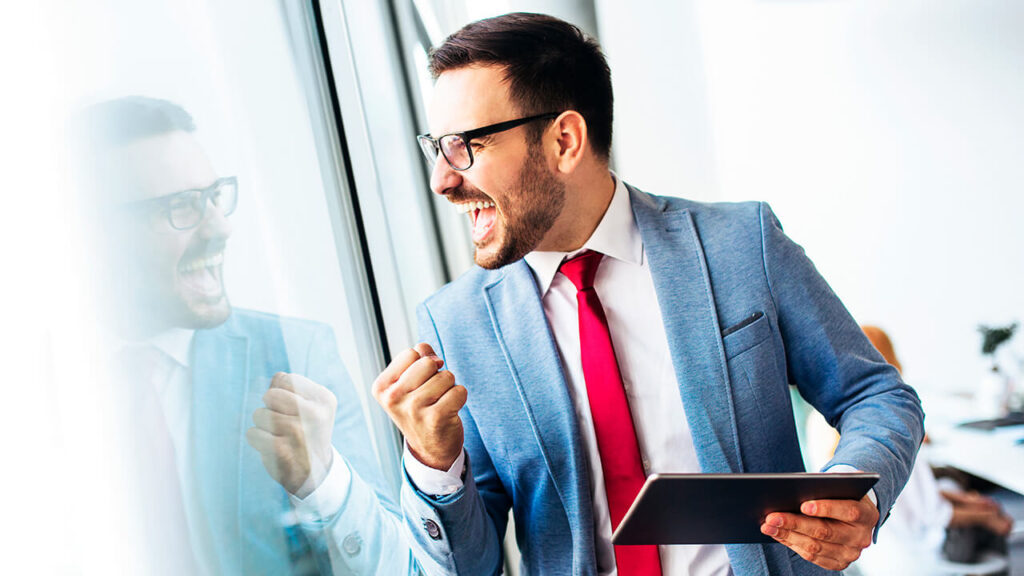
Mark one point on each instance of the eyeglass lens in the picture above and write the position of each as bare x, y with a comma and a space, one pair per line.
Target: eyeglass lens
455, 151
187, 210
430, 148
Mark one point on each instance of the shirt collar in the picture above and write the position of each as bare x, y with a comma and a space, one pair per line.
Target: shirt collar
175, 342
616, 236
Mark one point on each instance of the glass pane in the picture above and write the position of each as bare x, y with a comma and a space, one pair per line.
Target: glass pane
228, 357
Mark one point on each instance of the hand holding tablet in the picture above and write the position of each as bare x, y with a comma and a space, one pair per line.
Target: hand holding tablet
726, 508
826, 518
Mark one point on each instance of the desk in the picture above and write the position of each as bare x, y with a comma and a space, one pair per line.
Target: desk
989, 454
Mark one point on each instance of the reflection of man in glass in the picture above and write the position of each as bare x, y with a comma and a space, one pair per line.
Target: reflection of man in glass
222, 378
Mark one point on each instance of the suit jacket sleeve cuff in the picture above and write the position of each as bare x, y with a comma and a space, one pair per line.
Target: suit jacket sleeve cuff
327, 499
431, 481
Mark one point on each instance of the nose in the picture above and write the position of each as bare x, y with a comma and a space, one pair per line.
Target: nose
443, 178
215, 225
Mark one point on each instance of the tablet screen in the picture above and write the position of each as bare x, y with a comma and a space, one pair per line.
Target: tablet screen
726, 508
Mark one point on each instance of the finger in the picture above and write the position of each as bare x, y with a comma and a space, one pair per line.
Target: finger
816, 528
824, 554
453, 400
424, 349
261, 440
852, 511
399, 364
433, 389
302, 386
282, 380
395, 396
417, 375
283, 401
276, 423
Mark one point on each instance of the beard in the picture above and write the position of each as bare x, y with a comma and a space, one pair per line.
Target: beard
201, 313
529, 212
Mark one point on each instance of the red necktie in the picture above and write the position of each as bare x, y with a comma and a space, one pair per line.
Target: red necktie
613, 424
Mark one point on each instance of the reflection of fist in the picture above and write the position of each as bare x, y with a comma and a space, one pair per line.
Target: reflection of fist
424, 403
293, 432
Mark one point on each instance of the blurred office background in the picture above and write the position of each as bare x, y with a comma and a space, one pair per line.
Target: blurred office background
887, 136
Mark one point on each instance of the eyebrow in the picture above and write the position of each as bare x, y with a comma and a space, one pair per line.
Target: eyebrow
486, 139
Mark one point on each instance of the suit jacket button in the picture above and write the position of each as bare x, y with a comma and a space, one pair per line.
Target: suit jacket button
352, 544
433, 530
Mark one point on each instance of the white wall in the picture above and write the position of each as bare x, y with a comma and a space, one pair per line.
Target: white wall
888, 137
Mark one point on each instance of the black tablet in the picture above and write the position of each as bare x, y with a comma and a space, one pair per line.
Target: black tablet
726, 508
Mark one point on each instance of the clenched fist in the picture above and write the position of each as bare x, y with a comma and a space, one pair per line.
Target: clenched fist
424, 402
293, 432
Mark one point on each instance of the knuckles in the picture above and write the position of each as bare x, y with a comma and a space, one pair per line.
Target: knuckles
822, 533
389, 398
856, 514
282, 450
461, 395
379, 385
446, 377
809, 556
432, 419
292, 429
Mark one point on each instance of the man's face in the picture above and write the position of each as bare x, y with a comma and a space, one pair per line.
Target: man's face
509, 175
169, 277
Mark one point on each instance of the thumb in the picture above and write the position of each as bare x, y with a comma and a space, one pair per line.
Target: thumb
282, 380
424, 349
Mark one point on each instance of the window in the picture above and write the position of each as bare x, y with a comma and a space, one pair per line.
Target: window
225, 244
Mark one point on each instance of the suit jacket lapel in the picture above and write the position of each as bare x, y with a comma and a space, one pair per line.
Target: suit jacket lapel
683, 286
525, 339
220, 367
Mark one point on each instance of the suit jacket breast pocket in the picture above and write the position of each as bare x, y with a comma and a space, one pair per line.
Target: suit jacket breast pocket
746, 334
760, 394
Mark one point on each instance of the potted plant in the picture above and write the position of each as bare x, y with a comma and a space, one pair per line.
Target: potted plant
993, 396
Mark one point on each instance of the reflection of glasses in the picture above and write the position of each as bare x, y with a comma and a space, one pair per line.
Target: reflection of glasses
187, 208
455, 147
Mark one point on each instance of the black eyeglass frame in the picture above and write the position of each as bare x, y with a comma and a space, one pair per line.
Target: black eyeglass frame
163, 203
432, 146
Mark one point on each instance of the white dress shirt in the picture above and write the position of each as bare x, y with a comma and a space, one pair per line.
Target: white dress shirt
626, 290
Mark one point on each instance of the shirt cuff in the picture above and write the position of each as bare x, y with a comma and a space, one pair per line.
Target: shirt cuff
431, 481
846, 468
327, 498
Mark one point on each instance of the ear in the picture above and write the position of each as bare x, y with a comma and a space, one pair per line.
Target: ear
571, 140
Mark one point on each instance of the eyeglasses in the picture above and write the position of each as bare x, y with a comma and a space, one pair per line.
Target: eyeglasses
455, 147
186, 209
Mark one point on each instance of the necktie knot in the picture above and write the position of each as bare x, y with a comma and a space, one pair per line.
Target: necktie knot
581, 269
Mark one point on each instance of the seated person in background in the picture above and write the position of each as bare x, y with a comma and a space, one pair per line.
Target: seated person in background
964, 523
196, 379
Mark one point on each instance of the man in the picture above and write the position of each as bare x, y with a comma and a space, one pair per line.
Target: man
607, 334
197, 376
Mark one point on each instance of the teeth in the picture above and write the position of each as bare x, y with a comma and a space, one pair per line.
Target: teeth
465, 207
208, 262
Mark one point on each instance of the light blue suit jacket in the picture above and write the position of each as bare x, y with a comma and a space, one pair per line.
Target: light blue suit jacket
713, 265
247, 514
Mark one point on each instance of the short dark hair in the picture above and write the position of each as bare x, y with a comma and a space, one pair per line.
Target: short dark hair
550, 64
99, 129
125, 120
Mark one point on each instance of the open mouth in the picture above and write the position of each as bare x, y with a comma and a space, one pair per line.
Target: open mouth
203, 275
482, 215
